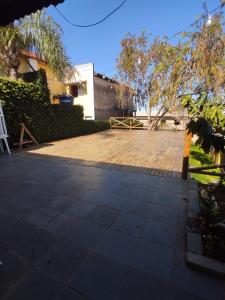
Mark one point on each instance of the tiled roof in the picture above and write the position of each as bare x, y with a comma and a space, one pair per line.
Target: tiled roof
31, 54
11, 10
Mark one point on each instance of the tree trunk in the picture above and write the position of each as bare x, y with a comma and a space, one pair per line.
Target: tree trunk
14, 63
14, 73
153, 125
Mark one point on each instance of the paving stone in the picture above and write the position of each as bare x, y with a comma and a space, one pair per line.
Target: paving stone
197, 282
6, 220
36, 286
67, 186
194, 242
61, 202
116, 245
36, 247
12, 271
80, 209
138, 285
92, 196
165, 198
85, 150
63, 260
3, 251
70, 294
41, 216
85, 233
130, 224
9, 205
156, 212
16, 234
153, 259
160, 233
113, 200
99, 278
103, 215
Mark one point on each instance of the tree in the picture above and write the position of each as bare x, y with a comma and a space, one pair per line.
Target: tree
39, 33
171, 74
154, 72
206, 80
124, 96
166, 81
132, 65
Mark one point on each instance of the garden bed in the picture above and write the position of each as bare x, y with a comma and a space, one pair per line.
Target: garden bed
206, 230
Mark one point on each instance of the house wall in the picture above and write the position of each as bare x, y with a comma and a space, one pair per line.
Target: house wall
56, 87
24, 66
84, 73
104, 98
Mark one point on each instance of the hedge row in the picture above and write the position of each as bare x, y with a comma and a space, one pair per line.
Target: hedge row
30, 103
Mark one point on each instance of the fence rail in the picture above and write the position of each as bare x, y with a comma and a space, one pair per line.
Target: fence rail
128, 123
205, 170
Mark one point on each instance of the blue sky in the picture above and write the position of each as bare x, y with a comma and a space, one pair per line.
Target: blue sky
101, 44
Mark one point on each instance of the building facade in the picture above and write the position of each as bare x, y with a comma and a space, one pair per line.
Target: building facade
94, 91
29, 62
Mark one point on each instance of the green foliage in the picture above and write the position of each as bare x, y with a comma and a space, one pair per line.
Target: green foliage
207, 121
37, 32
194, 66
199, 158
202, 107
210, 216
42, 84
210, 210
29, 103
206, 79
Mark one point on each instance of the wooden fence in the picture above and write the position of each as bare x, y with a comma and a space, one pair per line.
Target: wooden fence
128, 123
138, 122
198, 170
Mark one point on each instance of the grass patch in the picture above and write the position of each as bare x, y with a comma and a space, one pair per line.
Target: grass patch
198, 158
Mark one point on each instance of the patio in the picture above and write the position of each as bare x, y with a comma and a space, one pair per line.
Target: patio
158, 153
76, 230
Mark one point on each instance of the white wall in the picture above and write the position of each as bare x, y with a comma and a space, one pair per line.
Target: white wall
85, 72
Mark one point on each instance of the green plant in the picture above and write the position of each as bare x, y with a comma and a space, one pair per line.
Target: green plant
199, 158
37, 32
207, 121
29, 103
209, 210
211, 216
164, 73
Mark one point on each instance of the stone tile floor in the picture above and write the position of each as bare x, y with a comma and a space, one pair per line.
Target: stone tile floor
71, 231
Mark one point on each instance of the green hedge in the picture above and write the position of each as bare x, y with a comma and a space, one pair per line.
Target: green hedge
29, 103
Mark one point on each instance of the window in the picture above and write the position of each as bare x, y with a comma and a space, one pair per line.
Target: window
74, 90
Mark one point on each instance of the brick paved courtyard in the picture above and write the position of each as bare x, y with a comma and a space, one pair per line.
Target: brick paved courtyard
73, 229
158, 153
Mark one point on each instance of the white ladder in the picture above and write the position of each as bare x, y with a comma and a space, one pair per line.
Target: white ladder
3, 131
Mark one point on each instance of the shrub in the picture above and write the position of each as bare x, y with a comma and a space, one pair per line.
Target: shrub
29, 103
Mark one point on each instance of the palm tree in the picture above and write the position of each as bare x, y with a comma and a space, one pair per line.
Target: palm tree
38, 33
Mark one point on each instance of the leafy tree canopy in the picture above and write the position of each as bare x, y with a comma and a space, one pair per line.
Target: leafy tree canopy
173, 75
38, 33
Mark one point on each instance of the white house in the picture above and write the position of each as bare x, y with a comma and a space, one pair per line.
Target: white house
94, 91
